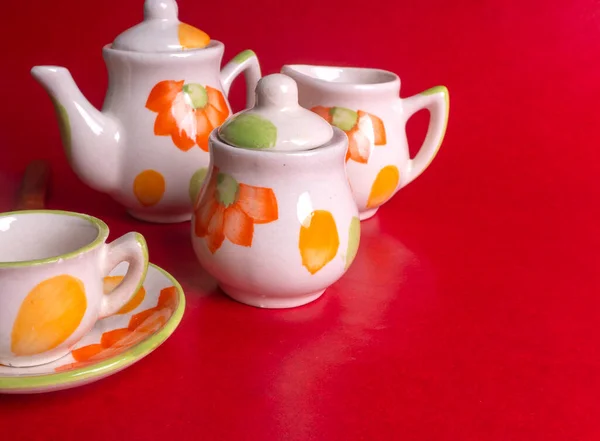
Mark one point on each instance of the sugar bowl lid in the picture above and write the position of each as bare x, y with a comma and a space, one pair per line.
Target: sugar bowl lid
277, 122
161, 31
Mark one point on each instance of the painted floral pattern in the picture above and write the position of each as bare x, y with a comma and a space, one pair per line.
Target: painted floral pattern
149, 187
113, 342
385, 185
187, 112
191, 37
364, 130
319, 240
230, 209
49, 315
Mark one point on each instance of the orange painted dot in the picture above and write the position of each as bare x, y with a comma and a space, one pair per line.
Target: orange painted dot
111, 282
384, 186
149, 187
50, 313
319, 240
191, 37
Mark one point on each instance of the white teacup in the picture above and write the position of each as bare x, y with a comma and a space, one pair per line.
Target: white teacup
52, 265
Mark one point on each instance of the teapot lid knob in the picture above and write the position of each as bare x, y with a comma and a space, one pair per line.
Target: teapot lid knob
277, 122
160, 9
161, 31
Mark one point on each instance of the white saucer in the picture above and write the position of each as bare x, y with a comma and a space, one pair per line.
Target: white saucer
114, 343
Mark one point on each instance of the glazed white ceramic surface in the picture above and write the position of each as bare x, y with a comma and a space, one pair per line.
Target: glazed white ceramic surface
270, 272
68, 372
376, 92
142, 147
43, 249
157, 33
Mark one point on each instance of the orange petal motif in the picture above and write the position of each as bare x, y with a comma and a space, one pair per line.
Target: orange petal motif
165, 123
323, 112
259, 203
217, 100
115, 341
86, 352
162, 95
359, 146
238, 226
204, 214
139, 318
203, 129
182, 140
154, 322
216, 236
214, 116
114, 337
167, 298
378, 129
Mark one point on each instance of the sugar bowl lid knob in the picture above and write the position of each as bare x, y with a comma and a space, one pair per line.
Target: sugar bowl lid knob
277, 90
277, 122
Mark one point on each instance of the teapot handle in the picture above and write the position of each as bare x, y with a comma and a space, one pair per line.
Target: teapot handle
246, 62
437, 101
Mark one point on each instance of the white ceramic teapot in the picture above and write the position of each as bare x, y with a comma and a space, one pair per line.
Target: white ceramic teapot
275, 222
148, 147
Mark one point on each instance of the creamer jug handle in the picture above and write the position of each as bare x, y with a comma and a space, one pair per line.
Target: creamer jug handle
437, 101
246, 62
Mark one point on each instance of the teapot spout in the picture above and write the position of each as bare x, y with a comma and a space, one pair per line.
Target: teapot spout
89, 137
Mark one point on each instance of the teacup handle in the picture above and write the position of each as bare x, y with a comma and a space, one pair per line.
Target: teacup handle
437, 101
247, 62
130, 248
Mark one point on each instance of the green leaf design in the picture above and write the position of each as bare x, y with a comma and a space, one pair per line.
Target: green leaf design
342, 118
249, 131
64, 126
227, 189
353, 241
197, 94
196, 182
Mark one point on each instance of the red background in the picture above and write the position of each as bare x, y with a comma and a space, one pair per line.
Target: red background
471, 312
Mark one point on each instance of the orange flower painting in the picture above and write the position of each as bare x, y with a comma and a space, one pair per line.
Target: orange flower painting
187, 112
141, 326
364, 130
230, 209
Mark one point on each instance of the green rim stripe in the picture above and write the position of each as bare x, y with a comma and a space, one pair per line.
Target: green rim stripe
243, 56
109, 365
100, 238
142, 242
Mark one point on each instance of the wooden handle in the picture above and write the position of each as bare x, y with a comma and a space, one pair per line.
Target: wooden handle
34, 186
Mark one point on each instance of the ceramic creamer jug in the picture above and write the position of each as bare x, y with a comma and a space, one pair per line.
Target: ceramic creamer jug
365, 104
275, 222
148, 147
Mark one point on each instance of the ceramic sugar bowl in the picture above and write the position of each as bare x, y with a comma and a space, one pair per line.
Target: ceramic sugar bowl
365, 104
275, 222
148, 147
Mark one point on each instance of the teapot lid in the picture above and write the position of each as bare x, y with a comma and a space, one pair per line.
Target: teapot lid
161, 31
277, 122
